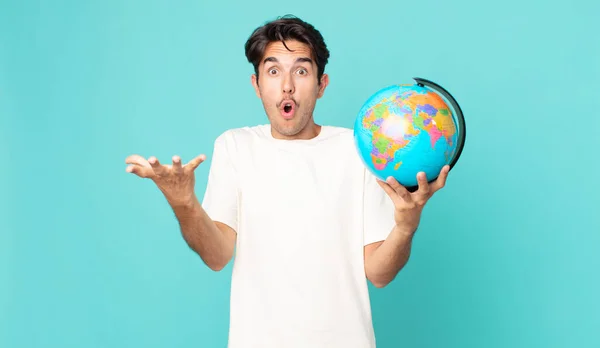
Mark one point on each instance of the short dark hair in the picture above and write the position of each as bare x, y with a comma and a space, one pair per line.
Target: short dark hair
287, 27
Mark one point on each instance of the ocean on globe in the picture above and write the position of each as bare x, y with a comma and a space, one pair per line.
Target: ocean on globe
405, 129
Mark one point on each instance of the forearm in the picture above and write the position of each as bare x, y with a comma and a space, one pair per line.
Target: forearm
203, 236
382, 266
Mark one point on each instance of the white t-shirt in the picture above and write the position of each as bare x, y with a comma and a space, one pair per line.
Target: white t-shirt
303, 211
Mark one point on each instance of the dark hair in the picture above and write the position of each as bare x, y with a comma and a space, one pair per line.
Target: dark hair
287, 27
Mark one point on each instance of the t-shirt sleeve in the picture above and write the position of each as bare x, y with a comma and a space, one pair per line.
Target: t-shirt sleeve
221, 195
378, 211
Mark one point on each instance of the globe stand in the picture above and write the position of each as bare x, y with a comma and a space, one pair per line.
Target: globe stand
459, 119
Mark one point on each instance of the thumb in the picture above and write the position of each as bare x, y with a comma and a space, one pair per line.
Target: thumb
194, 163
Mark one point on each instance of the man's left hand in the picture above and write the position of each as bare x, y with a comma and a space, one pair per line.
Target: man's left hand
408, 206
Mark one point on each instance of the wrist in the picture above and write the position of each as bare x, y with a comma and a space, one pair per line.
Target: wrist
186, 204
405, 229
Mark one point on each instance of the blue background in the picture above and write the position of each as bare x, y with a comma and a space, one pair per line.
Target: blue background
90, 256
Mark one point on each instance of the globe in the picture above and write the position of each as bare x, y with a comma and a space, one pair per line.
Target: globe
405, 129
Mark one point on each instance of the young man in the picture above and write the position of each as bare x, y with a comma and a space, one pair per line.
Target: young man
308, 223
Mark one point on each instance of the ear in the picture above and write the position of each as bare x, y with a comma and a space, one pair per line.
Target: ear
323, 85
254, 81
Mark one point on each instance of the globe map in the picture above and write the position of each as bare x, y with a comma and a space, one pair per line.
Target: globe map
404, 129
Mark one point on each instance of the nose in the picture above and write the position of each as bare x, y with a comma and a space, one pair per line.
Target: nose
288, 85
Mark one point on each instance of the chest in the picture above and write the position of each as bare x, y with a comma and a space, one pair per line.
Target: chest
298, 199
310, 179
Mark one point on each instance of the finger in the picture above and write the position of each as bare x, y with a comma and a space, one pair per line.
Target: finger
387, 188
138, 160
177, 168
156, 166
140, 171
194, 163
400, 190
440, 182
389, 191
424, 188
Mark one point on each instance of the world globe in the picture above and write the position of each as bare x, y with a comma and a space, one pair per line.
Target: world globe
405, 129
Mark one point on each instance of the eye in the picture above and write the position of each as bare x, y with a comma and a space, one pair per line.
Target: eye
272, 71
302, 71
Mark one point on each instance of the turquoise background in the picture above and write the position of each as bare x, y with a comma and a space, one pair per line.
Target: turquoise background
507, 254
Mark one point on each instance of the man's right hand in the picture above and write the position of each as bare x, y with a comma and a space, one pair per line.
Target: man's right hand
175, 181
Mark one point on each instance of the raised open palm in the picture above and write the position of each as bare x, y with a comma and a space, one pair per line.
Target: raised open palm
176, 181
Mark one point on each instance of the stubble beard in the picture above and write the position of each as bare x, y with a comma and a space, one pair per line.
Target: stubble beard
292, 127
289, 128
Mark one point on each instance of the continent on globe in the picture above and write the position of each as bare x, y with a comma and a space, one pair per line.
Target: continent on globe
404, 129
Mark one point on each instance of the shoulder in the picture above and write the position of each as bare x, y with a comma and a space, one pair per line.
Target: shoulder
240, 137
338, 130
337, 134
340, 142
340, 137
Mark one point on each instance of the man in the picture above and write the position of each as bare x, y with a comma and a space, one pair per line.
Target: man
308, 223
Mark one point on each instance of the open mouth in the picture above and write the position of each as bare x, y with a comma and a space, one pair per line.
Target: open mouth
287, 109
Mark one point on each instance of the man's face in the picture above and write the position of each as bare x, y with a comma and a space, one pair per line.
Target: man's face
288, 87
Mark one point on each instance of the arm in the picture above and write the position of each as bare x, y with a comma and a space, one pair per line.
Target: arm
384, 260
213, 241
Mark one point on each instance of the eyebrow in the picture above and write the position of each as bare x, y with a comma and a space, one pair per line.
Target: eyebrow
298, 60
